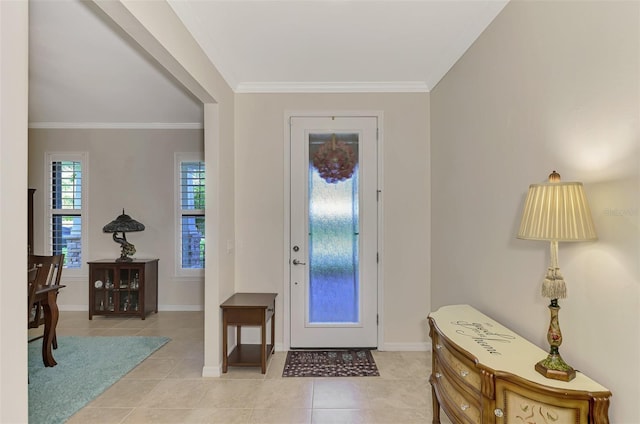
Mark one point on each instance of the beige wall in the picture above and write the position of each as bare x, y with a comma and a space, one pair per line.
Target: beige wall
549, 85
130, 169
260, 144
134, 169
156, 27
14, 20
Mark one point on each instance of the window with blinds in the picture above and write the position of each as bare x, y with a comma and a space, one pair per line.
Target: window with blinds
66, 208
192, 214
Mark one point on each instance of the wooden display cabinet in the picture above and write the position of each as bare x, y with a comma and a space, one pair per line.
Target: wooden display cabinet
123, 288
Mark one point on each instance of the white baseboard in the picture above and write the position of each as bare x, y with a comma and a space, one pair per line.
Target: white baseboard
405, 347
168, 308
211, 371
74, 308
181, 308
386, 347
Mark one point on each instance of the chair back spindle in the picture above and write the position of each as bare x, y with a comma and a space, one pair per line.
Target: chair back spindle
44, 271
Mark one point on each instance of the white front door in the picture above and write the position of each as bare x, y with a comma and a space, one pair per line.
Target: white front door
333, 231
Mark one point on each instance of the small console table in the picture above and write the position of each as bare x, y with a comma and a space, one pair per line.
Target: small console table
248, 309
484, 373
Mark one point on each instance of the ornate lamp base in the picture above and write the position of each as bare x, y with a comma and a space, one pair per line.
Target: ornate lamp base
553, 366
127, 249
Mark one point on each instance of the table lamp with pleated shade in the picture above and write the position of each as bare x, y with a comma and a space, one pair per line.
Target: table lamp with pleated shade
556, 211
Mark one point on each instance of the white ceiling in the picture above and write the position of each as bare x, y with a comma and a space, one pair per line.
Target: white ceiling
84, 72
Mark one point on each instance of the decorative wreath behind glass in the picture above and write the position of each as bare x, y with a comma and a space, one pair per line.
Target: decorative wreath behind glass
335, 161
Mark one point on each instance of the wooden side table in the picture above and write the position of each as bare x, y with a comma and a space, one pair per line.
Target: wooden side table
248, 309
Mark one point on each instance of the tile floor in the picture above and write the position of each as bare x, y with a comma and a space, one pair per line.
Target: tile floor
168, 387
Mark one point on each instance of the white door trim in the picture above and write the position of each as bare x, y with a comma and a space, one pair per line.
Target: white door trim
286, 327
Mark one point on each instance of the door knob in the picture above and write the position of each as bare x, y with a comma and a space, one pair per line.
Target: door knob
297, 262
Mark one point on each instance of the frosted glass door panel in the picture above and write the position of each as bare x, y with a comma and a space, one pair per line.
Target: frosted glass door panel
333, 226
333, 229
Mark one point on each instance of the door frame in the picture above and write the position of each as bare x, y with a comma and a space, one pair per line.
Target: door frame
286, 284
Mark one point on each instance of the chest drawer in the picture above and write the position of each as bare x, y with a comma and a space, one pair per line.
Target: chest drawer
249, 315
461, 402
245, 316
461, 367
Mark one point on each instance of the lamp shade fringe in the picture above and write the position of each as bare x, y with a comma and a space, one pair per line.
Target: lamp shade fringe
554, 286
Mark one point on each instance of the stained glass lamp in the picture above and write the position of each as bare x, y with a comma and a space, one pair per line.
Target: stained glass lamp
554, 212
123, 224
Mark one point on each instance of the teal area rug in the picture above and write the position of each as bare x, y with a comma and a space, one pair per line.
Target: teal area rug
87, 366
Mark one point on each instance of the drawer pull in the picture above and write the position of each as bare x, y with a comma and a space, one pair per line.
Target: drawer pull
438, 375
464, 407
438, 346
498, 412
464, 373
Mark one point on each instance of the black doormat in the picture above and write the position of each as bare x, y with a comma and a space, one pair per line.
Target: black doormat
330, 363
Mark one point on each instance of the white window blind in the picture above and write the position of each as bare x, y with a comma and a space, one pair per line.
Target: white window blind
66, 208
192, 214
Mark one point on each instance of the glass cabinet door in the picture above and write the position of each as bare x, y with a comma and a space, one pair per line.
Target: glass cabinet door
129, 289
103, 289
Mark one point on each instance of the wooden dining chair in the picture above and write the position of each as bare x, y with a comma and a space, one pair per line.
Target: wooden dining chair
49, 272
32, 275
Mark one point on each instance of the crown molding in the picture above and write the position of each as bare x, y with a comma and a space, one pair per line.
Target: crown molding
333, 87
119, 125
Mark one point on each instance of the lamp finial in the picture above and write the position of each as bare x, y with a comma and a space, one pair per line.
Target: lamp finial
554, 177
